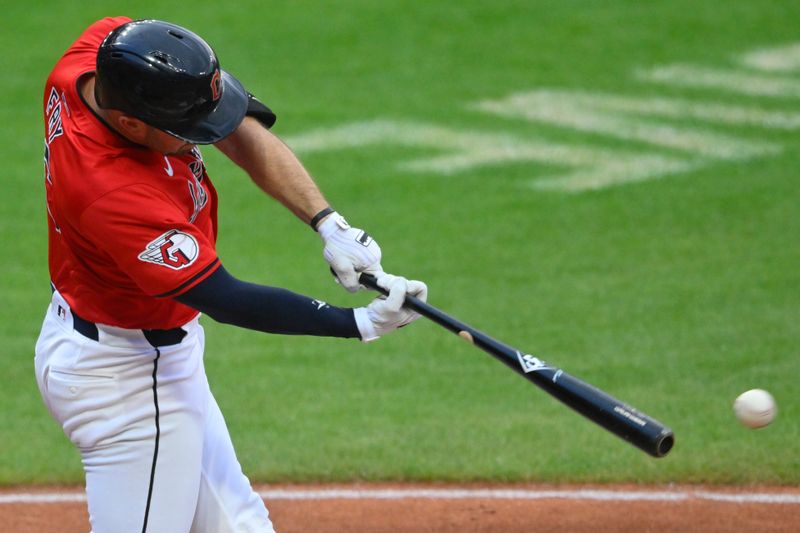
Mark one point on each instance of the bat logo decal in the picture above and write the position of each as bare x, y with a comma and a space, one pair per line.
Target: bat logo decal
530, 363
629, 415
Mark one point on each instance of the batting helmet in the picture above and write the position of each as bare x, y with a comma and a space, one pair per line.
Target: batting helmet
169, 78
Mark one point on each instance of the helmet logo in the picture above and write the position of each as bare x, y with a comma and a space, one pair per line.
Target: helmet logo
216, 86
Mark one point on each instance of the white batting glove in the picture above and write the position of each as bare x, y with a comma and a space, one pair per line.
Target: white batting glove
386, 313
349, 251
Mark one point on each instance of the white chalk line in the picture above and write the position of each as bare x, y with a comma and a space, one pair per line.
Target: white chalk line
464, 494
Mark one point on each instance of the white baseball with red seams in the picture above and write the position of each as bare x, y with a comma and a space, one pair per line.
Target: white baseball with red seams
755, 408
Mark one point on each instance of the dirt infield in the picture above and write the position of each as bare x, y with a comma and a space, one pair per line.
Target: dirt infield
446, 508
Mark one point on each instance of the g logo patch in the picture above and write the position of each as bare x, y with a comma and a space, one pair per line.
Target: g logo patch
174, 249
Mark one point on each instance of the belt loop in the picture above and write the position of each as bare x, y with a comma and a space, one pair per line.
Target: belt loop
84, 327
164, 337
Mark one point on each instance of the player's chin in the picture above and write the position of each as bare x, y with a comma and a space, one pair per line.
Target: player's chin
181, 150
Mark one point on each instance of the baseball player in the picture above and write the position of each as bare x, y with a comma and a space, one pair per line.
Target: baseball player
132, 229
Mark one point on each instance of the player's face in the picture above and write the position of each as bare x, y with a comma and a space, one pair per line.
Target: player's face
139, 132
165, 143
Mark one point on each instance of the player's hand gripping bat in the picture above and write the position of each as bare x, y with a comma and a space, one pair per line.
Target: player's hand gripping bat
617, 417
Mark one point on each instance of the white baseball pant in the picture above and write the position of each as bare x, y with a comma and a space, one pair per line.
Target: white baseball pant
155, 448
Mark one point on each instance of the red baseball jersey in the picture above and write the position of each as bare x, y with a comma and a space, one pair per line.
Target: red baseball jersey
128, 226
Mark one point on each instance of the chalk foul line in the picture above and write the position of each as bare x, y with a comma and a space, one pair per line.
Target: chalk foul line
461, 494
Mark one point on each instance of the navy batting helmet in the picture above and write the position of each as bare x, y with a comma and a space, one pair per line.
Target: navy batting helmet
169, 78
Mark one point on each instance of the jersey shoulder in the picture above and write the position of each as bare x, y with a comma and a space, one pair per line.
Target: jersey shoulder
81, 56
130, 176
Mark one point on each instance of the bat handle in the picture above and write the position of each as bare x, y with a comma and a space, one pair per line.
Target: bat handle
371, 282
411, 302
436, 315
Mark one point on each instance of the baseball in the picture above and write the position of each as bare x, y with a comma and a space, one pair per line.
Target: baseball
755, 408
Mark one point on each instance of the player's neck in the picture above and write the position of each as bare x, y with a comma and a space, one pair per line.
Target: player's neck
86, 88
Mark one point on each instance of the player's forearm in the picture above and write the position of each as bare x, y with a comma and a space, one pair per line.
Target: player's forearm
274, 168
268, 309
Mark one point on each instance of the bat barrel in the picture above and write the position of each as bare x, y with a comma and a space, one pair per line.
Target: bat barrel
610, 413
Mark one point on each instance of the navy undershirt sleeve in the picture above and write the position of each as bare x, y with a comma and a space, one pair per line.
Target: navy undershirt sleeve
270, 309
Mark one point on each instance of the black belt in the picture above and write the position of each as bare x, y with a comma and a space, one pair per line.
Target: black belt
156, 337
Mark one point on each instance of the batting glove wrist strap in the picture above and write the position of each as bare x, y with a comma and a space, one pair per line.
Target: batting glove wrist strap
330, 225
319, 216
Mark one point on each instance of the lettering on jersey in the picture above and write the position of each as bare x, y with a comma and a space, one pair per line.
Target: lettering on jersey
197, 169
199, 198
174, 249
53, 114
64, 103
49, 182
47, 175
196, 189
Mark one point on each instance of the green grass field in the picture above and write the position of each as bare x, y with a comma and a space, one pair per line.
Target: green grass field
633, 216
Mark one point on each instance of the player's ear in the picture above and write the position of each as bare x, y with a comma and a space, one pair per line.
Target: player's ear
131, 127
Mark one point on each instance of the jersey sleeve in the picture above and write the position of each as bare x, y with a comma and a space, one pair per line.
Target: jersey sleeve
150, 239
91, 38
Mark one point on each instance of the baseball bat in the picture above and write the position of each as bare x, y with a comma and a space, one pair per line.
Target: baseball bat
610, 413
